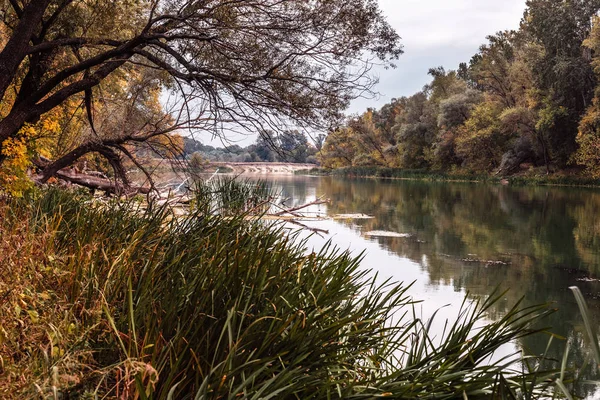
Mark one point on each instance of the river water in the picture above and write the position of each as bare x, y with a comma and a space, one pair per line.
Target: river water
464, 239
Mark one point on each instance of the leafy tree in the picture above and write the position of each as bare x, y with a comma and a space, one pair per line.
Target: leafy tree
481, 141
370, 139
415, 131
340, 149
443, 85
385, 119
564, 73
490, 68
235, 65
265, 147
588, 137
456, 109
453, 112
294, 147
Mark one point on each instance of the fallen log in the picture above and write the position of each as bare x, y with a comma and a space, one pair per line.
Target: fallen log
96, 183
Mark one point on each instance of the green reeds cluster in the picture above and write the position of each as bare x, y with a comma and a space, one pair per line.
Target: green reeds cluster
398, 173
122, 300
232, 196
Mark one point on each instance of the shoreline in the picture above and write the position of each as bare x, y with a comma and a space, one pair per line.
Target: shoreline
432, 176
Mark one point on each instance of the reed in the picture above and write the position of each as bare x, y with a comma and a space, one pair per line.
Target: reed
122, 300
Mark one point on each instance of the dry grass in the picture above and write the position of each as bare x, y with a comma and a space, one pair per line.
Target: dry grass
39, 331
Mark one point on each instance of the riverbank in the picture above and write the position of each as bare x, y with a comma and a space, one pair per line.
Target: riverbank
238, 168
112, 299
556, 179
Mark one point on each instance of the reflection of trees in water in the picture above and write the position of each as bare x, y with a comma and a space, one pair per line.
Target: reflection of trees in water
550, 238
538, 229
295, 191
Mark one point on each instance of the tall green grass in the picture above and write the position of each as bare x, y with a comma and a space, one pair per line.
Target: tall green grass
232, 196
215, 306
591, 364
399, 173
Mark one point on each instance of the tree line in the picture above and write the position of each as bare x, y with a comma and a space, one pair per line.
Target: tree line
529, 99
289, 146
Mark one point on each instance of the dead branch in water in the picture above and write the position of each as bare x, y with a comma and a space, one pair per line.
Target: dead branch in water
319, 201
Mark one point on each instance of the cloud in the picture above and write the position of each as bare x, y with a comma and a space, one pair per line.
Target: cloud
434, 33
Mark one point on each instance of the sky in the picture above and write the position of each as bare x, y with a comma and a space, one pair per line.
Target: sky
434, 33
437, 33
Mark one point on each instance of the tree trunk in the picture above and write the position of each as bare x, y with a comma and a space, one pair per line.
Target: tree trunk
15, 50
66, 160
10, 126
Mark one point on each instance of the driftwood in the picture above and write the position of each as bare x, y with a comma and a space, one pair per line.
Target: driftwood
302, 207
92, 180
316, 230
292, 216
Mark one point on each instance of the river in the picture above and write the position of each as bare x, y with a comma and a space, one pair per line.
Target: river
465, 239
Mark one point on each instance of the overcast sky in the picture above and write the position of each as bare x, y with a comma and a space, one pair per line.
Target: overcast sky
434, 33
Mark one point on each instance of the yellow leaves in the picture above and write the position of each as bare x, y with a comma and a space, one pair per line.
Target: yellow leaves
14, 148
18, 151
34, 316
588, 139
13, 171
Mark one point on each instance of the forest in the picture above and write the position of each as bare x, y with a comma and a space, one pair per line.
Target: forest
527, 102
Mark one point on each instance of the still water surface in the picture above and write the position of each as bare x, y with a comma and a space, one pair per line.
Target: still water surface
467, 239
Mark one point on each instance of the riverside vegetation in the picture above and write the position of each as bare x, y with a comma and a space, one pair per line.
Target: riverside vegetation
128, 300
125, 300
454, 176
527, 103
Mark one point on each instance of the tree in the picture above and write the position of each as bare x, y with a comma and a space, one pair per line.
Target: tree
563, 73
444, 84
481, 141
294, 146
369, 139
453, 112
588, 137
340, 149
265, 147
490, 68
236, 65
416, 129
456, 109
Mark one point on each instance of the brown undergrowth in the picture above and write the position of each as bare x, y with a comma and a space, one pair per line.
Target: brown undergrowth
42, 340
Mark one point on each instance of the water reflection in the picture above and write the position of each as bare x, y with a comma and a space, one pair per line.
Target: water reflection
473, 238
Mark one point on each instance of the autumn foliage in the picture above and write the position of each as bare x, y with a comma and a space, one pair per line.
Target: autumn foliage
526, 102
